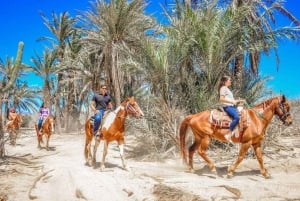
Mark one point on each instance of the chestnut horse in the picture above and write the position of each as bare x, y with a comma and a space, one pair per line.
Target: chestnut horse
47, 130
259, 117
112, 129
13, 128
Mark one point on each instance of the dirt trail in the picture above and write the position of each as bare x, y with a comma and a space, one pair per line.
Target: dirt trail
60, 174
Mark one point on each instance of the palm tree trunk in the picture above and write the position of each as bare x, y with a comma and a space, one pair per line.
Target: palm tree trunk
115, 76
238, 70
2, 142
3, 89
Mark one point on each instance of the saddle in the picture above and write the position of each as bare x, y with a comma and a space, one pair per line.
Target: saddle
92, 118
220, 119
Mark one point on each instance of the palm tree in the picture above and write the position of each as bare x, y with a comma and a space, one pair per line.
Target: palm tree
6, 84
113, 32
62, 28
257, 22
45, 67
25, 98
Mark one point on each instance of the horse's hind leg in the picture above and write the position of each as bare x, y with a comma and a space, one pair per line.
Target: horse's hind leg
202, 152
243, 150
192, 150
258, 153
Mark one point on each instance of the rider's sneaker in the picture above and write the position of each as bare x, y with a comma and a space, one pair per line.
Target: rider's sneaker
97, 137
236, 132
228, 137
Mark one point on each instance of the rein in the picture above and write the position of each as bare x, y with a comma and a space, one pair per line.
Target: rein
285, 113
127, 108
282, 117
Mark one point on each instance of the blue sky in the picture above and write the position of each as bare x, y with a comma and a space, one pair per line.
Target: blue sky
20, 21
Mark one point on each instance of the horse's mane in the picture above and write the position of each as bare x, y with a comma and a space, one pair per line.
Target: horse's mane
266, 102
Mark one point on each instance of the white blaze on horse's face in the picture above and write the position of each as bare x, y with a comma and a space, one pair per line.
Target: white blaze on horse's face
52, 125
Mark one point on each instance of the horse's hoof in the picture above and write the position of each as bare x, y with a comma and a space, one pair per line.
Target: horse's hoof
127, 168
88, 163
266, 175
213, 169
191, 170
102, 167
229, 175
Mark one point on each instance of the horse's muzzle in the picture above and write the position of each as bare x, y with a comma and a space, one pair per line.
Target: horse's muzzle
287, 123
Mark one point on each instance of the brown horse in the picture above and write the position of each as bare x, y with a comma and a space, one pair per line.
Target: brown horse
112, 129
47, 130
13, 128
259, 117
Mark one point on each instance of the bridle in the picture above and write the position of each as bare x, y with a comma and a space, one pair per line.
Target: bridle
132, 110
281, 112
50, 123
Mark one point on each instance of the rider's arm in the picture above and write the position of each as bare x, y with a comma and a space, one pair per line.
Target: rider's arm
109, 106
93, 104
224, 100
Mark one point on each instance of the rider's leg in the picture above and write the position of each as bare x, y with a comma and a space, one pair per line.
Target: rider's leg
40, 123
233, 113
97, 121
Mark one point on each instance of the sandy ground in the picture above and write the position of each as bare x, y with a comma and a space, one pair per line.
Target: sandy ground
60, 174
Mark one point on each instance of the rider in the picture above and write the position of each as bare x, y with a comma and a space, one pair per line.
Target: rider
228, 103
99, 104
43, 114
11, 116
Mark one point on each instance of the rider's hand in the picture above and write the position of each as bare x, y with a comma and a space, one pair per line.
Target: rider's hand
239, 101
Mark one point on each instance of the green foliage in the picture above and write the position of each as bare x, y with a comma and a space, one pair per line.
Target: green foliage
26, 121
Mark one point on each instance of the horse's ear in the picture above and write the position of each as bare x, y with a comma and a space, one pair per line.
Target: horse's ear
283, 99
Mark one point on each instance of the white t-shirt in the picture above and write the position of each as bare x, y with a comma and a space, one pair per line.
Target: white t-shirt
224, 91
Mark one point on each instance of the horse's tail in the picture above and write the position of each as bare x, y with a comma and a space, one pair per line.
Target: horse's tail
182, 135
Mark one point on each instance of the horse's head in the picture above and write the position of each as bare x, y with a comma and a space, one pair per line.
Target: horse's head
17, 121
282, 110
133, 108
49, 122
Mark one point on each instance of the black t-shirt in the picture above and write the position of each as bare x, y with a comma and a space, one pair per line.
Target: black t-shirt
101, 101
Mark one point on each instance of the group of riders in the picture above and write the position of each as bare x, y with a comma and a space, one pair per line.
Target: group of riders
102, 102
44, 112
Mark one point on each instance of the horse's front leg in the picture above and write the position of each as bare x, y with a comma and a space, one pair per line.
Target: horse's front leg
87, 151
39, 139
105, 147
47, 142
121, 150
243, 150
258, 153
